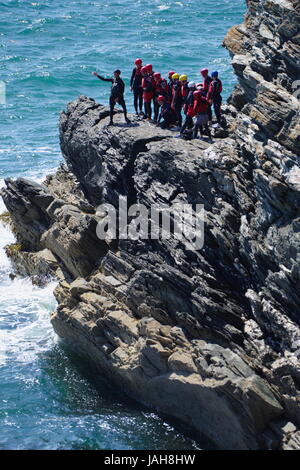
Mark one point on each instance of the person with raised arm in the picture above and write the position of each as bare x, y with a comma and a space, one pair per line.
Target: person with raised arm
116, 95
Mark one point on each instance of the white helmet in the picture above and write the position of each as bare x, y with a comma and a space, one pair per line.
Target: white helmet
191, 85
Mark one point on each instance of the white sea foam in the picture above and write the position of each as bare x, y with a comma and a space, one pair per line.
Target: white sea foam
25, 328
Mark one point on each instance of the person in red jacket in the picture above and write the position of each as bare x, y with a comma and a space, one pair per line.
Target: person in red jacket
214, 95
201, 104
148, 88
206, 79
189, 108
166, 113
151, 74
170, 83
206, 84
136, 86
161, 88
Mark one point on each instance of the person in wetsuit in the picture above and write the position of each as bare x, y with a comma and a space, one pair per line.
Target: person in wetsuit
170, 83
116, 95
136, 86
166, 113
201, 104
176, 104
161, 88
214, 95
206, 84
148, 90
151, 75
189, 108
184, 88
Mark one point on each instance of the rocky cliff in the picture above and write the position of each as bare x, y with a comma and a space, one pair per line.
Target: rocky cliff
212, 336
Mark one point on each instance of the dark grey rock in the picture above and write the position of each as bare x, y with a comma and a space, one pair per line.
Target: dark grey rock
209, 336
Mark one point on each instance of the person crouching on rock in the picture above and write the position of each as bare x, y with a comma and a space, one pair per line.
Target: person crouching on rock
136, 86
161, 88
189, 108
214, 96
201, 104
117, 94
148, 90
165, 113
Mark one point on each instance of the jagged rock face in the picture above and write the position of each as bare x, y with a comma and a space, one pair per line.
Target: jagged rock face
209, 336
265, 53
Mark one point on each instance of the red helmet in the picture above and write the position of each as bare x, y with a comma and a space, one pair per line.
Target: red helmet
204, 72
199, 85
144, 69
161, 98
138, 61
171, 73
149, 67
157, 75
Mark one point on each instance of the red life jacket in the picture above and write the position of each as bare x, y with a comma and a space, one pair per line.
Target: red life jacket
190, 110
184, 91
200, 105
147, 85
215, 88
189, 104
162, 88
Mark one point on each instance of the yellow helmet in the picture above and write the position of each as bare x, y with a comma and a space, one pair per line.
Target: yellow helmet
175, 76
183, 78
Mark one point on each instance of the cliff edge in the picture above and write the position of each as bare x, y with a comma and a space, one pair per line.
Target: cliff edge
209, 336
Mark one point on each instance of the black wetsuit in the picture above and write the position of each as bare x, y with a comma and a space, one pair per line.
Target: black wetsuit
170, 92
188, 123
160, 89
116, 95
214, 94
136, 85
206, 85
177, 101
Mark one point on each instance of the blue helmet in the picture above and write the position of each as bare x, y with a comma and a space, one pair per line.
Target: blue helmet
215, 74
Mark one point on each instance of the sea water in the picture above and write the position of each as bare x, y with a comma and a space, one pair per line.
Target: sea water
49, 398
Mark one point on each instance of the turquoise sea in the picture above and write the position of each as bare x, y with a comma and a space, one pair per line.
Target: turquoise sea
49, 399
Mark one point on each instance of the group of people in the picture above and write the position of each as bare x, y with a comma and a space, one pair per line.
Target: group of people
168, 99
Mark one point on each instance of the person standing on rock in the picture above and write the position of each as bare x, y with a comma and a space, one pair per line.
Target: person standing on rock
189, 109
151, 75
136, 86
177, 99
206, 84
214, 95
161, 88
117, 94
170, 83
184, 88
201, 104
148, 90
